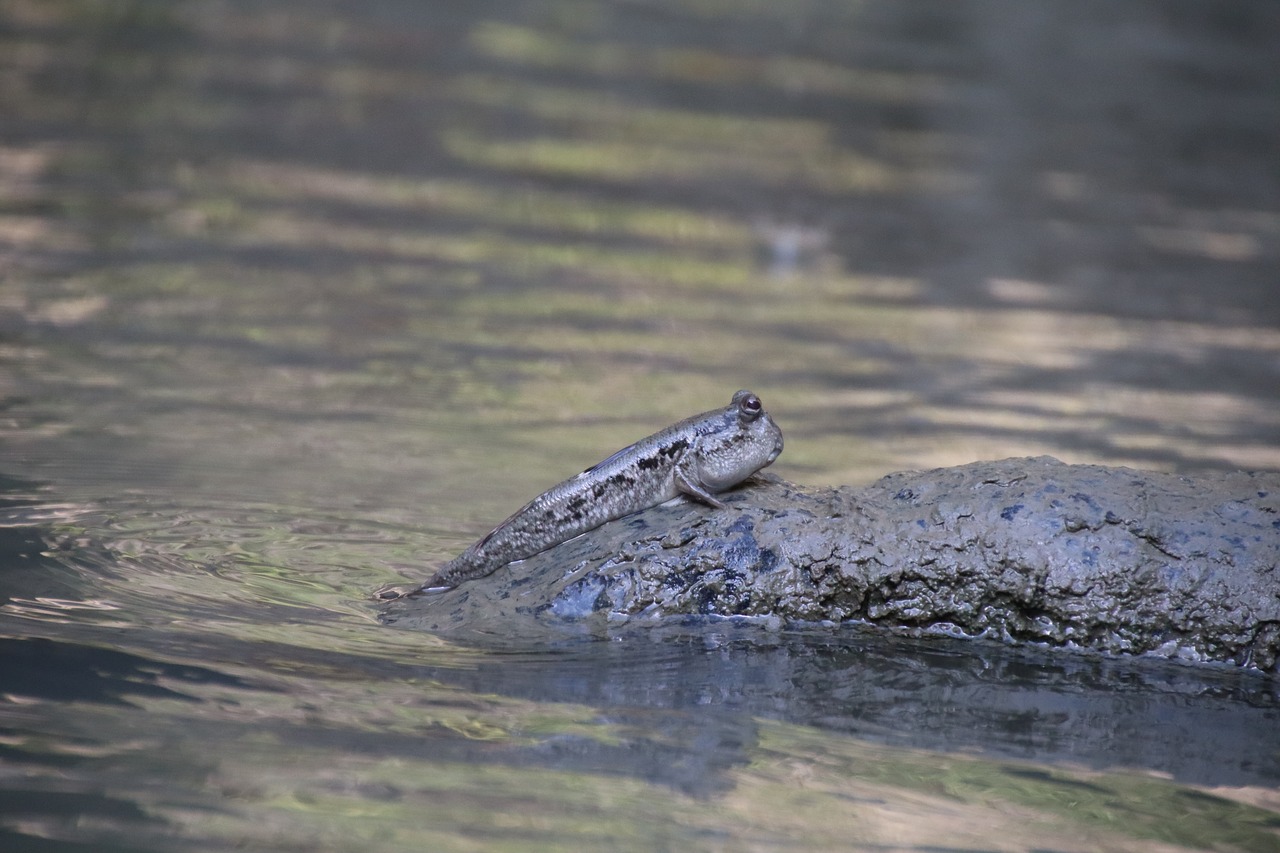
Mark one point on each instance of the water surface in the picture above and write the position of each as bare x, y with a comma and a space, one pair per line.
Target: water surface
297, 299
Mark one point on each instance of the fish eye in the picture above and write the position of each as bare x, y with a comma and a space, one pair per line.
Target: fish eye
750, 407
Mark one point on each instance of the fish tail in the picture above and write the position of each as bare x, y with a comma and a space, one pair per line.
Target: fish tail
464, 567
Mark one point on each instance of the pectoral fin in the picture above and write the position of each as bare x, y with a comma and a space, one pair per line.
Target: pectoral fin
690, 486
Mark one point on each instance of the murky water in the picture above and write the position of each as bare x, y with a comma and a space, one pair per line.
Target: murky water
296, 299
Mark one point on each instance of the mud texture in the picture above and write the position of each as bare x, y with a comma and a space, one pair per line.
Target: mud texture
1025, 550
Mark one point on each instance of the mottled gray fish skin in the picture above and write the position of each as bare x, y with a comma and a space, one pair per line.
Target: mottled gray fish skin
697, 457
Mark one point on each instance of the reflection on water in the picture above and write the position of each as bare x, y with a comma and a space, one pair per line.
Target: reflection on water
254, 704
296, 299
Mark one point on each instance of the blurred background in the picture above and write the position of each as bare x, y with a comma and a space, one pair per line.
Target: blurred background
424, 250
300, 298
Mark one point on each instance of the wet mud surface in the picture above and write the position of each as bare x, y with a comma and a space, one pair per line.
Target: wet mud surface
1115, 560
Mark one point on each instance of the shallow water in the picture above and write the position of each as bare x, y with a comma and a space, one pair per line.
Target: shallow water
296, 300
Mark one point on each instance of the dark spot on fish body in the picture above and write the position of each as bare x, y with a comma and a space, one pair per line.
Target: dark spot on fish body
648, 463
1010, 511
576, 504
675, 448
710, 426
597, 490
622, 480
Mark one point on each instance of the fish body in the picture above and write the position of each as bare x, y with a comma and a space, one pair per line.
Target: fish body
697, 457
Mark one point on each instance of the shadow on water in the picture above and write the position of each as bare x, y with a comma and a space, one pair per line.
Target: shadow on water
60, 672
45, 673
971, 697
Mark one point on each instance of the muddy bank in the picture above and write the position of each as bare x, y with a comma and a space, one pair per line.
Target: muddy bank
1026, 550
